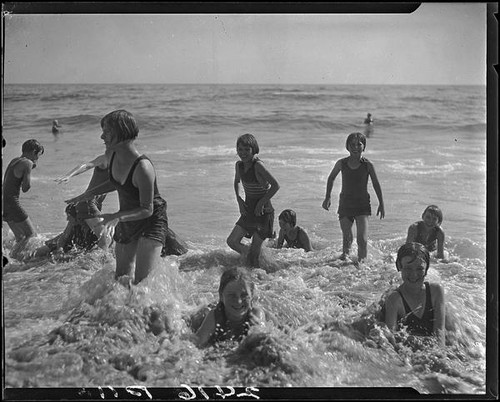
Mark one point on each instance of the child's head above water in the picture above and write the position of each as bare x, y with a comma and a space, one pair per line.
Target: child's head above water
122, 124
415, 251
32, 146
355, 137
236, 291
248, 140
435, 211
288, 216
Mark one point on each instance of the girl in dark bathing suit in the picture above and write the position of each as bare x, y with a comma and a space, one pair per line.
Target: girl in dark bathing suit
141, 223
418, 305
234, 313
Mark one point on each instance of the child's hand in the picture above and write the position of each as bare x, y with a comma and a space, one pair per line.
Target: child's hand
63, 179
381, 211
242, 205
326, 203
259, 208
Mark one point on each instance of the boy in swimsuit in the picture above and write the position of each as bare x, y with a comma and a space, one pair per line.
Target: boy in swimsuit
141, 223
17, 177
418, 305
257, 213
428, 231
354, 202
294, 235
235, 312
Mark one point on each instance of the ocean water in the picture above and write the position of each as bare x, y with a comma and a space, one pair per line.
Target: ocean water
70, 325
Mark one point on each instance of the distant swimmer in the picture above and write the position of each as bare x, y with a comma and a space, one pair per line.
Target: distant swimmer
368, 125
56, 127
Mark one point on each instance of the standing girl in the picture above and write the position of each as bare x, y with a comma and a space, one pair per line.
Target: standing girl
141, 223
257, 213
354, 202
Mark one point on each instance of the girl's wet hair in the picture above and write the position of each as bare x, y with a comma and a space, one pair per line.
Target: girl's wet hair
235, 274
436, 211
248, 140
32, 145
122, 124
415, 250
358, 136
288, 216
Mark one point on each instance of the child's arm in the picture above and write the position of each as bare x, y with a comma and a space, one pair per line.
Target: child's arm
263, 175
100, 161
103, 188
412, 233
281, 239
25, 167
438, 300
206, 329
391, 310
241, 204
378, 190
304, 239
329, 184
440, 244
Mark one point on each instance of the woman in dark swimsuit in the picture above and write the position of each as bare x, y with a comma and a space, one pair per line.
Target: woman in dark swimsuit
141, 223
418, 305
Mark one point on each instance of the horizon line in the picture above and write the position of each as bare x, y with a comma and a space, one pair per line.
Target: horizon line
235, 83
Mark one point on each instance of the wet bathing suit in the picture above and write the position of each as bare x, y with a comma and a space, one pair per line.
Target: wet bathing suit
419, 326
154, 227
295, 243
222, 329
428, 241
12, 210
354, 198
254, 191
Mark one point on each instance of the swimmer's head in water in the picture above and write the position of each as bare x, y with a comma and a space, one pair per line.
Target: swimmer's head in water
288, 216
434, 210
235, 274
415, 251
122, 124
355, 137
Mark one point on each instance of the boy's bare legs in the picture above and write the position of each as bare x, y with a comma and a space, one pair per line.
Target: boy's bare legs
346, 226
23, 231
362, 236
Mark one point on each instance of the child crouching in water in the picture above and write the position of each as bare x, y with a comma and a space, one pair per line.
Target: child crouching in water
294, 235
234, 313
428, 231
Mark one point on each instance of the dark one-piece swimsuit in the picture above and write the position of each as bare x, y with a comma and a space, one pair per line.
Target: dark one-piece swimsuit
419, 326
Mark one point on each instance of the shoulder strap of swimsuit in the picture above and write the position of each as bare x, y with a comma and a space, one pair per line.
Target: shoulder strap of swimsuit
405, 304
428, 300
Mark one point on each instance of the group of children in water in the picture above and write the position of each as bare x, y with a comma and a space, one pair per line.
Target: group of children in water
139, 229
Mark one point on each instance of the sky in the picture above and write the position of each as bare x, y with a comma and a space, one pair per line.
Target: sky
438, 44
